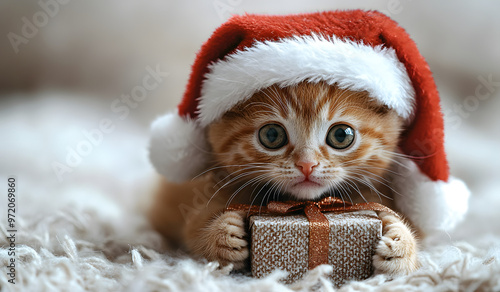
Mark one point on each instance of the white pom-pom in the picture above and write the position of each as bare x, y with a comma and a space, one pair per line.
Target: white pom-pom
178, 148
430, 205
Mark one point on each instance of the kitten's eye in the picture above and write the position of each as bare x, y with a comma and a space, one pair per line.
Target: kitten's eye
340, 136
272, 136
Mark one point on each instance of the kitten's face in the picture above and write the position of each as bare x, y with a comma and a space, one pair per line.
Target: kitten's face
306, 140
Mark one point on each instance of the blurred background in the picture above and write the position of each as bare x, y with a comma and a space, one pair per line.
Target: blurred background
71, 134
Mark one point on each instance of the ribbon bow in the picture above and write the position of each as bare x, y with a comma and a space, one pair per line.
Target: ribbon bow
319, 227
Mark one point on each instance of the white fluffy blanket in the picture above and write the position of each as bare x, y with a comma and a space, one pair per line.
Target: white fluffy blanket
88, 232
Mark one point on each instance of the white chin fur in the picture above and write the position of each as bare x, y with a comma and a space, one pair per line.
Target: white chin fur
430, 205
178, 148
306, 193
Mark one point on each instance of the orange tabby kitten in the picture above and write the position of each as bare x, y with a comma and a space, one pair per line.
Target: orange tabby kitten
302, 142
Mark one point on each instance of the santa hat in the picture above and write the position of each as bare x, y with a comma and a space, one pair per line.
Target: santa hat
356, 50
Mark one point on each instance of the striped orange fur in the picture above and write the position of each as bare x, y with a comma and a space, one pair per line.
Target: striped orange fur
307, 111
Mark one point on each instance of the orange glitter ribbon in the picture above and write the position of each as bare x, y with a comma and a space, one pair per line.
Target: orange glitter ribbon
319, 227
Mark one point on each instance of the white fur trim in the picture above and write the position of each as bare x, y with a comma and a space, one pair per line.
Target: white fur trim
178, 148
287, 62
430, 205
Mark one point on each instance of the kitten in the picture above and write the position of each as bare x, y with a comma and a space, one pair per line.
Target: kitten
303, 143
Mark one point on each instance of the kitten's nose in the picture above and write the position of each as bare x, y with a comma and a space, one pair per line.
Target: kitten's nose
306, 167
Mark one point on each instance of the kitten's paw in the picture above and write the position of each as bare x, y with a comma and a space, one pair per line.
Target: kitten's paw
396, 253
226, 235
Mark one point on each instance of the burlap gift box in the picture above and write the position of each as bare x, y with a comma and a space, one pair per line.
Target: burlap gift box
282, 242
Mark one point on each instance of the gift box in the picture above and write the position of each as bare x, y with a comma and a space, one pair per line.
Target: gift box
297, 236
283, 242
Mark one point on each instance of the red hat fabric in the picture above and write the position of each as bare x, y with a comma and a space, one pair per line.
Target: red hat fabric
357, 50
370, 28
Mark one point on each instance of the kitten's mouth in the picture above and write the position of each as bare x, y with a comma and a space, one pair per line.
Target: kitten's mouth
306, 183
306, 188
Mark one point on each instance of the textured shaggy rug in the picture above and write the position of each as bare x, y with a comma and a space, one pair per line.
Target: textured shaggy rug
87, 231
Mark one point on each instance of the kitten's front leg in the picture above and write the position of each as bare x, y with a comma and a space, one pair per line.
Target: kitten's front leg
224, 239
396, 253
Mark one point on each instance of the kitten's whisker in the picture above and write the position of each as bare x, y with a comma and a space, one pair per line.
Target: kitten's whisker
385, 182
353, 161
231, 174
366, 172
271, 113
391, 156
241, 175
274, 110
333, 187
272, 106
367, 165
267, 194
372, 187
251, 181
374, 167
354, 186
242, 169
275, 98
263, 104
341, 101
397, 161
276, 194
363, 159
382, 168
274, 189
347, 191
357, 189
227, 183
210, 169
253, 191
227, 166
398, 154
365, 181
257, 195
